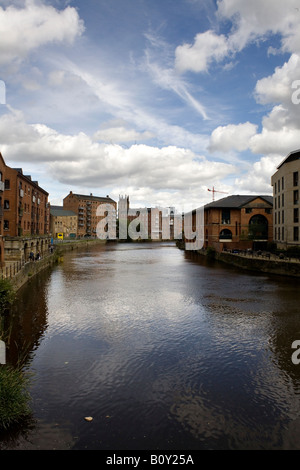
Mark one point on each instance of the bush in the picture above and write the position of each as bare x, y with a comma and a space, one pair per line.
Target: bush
7, 294
14, 397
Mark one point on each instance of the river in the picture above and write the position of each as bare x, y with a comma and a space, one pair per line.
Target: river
161, 348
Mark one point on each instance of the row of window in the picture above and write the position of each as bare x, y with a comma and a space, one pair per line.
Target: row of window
279, 201
279, 234
279, 185
26, 225
279, 216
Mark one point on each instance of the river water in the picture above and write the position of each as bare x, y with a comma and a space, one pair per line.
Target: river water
163, 349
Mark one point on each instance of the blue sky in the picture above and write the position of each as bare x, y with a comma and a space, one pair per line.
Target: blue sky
160, 100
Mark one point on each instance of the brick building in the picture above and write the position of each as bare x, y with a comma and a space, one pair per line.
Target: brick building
237, 222
2, 178
63, 222
85, 207
25, 208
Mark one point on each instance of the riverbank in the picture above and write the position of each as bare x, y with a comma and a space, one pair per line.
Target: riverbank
32, 268
256, 262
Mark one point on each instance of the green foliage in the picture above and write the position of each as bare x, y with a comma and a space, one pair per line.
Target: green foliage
14, 397
7, 294
210, 252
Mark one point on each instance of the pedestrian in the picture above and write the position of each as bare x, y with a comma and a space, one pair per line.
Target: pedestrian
31, 256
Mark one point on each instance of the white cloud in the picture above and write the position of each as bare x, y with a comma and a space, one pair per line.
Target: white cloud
277, 88
25, 29
232, 137
258, 178
251, 21
79, 160
118, 132
207, 48
257, 19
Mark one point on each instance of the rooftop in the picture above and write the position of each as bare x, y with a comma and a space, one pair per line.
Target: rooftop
295, 155
91, 197
60, 211
237, 201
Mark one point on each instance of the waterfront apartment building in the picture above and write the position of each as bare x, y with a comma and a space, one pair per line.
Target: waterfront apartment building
286, 191
85, 207
63, 222
236, 223
24, 204
2, 178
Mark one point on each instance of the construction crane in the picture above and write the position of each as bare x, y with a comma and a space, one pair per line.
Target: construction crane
213, 190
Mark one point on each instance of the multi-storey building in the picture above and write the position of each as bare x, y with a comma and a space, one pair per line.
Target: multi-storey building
236, 222
25, 208
63, 222
286, 193
2, 178
85, 207
155, 223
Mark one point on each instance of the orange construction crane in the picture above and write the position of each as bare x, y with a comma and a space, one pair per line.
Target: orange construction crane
213, 190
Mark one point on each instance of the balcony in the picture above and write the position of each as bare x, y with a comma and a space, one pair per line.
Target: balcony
1, 186
21, 192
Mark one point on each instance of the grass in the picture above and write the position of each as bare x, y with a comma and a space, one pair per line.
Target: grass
14, 397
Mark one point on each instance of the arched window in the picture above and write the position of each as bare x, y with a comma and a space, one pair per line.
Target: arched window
225, 234
258, 227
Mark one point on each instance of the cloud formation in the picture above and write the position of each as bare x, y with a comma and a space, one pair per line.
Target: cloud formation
24, 29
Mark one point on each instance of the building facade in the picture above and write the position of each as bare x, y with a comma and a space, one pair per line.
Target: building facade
24, 204
286, 191
237, 223
2, 179
63, 222
86, 208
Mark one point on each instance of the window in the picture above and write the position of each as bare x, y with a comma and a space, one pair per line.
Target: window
248, 210
278, 202
6, 204
282, 217
268, 211
282, 234
225, 216
282, 200
295, 178
275, 188
7, 184
296, 216
225, 235
279, 217
6, 225
279, 186
296, 196
296, 234
275, 218
282, 183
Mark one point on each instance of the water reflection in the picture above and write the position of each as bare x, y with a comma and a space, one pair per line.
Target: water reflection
163, 349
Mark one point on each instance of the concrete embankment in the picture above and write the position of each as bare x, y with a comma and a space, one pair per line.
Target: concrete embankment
281, 267
31, 269
277, 266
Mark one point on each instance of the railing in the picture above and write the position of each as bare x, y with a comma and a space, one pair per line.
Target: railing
10, 271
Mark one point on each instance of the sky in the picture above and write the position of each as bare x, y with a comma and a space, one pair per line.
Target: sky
160, 100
